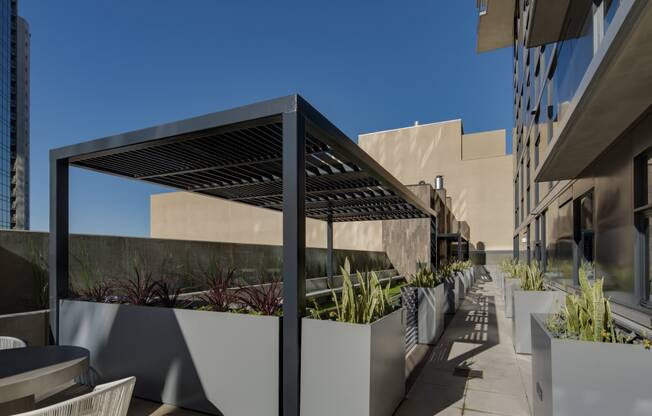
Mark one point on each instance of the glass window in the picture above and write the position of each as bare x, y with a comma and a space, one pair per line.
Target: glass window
585, 230
643, 220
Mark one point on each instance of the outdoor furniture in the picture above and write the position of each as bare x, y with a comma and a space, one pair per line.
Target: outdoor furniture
32, 371
7, 343
109, 399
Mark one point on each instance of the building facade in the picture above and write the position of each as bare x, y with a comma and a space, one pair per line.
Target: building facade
474, 167
582, 78
14, 118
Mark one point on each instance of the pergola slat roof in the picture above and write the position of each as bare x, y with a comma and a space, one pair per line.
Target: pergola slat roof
242, 161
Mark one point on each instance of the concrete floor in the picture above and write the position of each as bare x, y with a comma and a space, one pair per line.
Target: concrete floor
478, 339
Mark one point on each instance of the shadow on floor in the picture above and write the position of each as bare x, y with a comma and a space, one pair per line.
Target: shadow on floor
442, 381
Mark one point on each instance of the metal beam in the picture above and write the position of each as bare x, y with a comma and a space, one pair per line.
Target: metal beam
329, 251
294, 259
58, 253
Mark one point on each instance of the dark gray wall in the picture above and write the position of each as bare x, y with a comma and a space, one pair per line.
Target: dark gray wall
611, 177
23, 271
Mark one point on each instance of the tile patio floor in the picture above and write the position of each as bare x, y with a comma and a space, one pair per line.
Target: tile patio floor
478, 338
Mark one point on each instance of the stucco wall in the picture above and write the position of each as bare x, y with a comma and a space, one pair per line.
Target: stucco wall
480, 187
182, 215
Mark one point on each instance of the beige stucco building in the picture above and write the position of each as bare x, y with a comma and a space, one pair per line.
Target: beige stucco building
476, 171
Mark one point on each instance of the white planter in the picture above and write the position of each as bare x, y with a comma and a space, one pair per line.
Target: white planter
352, 369
500, 281
527, 303
510, 286
452, 289
463, 283
572, 377
214, 362
430, 313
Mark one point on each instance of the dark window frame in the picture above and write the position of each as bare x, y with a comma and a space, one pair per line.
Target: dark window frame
642, 213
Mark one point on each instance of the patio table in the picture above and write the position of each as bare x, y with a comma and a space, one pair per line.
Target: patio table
28, 372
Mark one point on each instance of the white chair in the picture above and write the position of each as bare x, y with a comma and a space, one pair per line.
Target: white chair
109, 399
7, 343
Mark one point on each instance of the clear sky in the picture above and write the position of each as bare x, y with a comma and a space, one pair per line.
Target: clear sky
104, 67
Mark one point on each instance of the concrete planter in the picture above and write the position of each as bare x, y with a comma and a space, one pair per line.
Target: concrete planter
452, 288
499, 278
214, 362
352, 369
510, 286
527, 303
572, 377
463, 283
430, 313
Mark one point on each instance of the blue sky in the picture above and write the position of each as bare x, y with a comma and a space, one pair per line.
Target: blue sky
104, 67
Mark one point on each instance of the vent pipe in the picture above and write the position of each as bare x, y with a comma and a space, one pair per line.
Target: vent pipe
439, 182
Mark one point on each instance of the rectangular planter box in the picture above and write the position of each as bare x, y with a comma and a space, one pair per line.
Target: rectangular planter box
452, 289
572, 377
527, 303
500, 281
352, 369
464, 284
214, 362
430, 314
510, 286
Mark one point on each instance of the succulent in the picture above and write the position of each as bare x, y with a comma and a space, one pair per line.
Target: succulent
531, 277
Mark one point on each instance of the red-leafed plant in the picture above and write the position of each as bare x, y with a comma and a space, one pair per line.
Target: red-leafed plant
140, 289
220, 295
101, 291
264, 299
167, 295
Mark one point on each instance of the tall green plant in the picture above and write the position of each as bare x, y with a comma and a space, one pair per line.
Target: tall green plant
425, 277
510, 267
587, 315
362, 303
531, 277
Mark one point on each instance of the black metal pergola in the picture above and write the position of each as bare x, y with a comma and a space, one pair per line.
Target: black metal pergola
280, 154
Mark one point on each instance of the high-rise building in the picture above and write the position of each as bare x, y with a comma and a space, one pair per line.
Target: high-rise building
582, 139
14, 118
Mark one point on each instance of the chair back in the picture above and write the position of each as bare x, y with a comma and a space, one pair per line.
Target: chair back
7, 343
109, 399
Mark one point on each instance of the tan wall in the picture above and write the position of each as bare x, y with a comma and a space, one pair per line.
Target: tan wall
477, 175
188, 216
480, 187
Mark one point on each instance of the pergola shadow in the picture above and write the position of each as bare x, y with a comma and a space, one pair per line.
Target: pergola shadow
472, 331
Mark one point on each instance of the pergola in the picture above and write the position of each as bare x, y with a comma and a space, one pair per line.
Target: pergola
280, 154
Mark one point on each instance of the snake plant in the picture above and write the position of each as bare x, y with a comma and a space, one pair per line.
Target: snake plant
586, 316
531, 277
425, 277
360, 303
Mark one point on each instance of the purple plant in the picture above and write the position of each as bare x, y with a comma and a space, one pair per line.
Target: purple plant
265, 299
140, 289
167, 295
99, 292
220, 295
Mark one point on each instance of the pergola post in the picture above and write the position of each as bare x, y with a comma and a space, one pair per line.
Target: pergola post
459, 248
329, 251
294, 265
58, 251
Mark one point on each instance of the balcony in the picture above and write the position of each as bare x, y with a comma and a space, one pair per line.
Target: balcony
495, 24
612, 94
